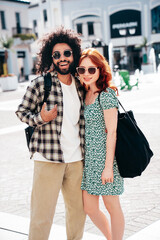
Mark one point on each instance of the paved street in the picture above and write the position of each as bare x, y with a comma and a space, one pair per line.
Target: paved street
141, 199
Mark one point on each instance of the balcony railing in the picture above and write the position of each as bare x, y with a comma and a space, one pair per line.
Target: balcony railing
21, 30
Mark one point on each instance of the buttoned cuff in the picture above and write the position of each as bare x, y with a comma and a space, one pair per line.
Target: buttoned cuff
38, 120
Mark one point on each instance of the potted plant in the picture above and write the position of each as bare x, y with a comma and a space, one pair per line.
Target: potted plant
146, 66
8, 81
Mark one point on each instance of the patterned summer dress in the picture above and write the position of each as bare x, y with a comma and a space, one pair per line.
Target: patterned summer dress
95, 147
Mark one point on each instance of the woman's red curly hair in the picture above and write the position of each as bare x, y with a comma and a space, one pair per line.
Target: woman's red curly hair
105, 78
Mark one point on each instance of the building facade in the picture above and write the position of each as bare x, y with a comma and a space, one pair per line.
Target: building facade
14, 23
131, 28
128, 30
44, 16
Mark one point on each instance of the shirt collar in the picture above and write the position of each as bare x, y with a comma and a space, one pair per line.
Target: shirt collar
54, 74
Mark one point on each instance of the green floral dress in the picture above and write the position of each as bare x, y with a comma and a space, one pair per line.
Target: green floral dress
95, 147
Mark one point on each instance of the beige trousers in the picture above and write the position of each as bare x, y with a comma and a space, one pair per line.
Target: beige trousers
48, 179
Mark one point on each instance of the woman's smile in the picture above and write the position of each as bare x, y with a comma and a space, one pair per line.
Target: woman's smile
87, 79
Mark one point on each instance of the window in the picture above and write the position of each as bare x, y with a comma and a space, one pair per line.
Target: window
34, 24
45, 15
155, 13
35, 27
3, 23
18, 22
90, 28
79, 28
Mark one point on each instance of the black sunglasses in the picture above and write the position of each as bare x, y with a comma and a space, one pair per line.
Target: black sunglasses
82, 70
56, 55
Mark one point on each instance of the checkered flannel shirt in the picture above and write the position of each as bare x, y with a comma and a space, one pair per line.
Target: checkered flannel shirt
46, 136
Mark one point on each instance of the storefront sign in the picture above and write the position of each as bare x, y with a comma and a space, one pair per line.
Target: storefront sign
127, 20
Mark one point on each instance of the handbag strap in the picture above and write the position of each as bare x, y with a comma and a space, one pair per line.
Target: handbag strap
119, 111
117, 99
118, 102
121, 106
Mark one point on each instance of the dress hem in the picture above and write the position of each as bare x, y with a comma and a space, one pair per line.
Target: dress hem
101, 194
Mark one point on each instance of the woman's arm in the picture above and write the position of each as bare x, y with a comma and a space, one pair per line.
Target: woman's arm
110, 117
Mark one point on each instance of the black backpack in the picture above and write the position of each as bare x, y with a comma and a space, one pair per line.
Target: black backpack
47, 88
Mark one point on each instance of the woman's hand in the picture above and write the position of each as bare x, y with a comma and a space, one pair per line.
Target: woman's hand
107, 175
48, 116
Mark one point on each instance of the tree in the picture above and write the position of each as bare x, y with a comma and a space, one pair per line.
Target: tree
144, 45
6, 43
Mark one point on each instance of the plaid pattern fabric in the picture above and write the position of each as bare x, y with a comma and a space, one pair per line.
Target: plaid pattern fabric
46, 136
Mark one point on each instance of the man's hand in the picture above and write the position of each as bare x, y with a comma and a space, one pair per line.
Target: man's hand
48, 116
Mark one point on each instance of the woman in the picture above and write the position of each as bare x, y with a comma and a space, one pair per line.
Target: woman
100, 175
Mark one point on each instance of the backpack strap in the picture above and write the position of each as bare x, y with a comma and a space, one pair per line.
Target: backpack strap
47, 86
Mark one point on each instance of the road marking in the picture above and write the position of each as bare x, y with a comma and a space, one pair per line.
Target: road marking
20, 225
12, 129
140, 102
148, 233
10, 105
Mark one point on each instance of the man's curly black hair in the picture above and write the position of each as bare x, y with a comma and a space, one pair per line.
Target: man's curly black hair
60, 35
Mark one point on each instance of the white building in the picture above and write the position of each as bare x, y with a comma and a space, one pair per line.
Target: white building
14, 20
44, 16
119, 23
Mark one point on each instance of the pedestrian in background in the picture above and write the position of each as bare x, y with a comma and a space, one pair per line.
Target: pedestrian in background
100, 175
57, 144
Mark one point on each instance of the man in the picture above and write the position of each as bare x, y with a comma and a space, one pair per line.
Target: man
57, 144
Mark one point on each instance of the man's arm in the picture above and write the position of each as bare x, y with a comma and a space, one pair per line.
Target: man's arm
26, 111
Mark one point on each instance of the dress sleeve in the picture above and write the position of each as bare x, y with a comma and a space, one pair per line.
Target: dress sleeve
108, 99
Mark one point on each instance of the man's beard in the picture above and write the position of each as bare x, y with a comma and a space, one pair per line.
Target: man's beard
64, 71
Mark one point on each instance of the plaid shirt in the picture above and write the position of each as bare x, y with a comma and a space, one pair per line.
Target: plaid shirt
46, 136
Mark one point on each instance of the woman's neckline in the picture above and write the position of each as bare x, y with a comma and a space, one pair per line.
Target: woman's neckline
91, 103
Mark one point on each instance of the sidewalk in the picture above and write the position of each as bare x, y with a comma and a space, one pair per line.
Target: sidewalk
16, 228
141, 199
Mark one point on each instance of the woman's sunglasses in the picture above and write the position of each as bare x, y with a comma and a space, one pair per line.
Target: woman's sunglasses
56, 55
82, 70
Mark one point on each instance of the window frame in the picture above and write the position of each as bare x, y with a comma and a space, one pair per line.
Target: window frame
3, 20
45, 17
90, 28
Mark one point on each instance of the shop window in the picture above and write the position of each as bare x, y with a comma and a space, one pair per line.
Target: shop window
90, 28
3, 22
79, 28
156, 47
155, 15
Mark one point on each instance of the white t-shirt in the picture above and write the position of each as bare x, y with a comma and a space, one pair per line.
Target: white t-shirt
69, 139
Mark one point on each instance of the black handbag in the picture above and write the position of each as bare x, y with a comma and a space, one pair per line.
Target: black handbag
47, 88
132, 152
28, 132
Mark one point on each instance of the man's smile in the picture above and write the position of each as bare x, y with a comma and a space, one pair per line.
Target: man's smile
63, 64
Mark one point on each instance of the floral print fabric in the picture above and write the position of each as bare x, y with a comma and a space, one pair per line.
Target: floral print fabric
95, 147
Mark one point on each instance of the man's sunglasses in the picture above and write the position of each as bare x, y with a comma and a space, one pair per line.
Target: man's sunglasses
82, 70
56, 55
